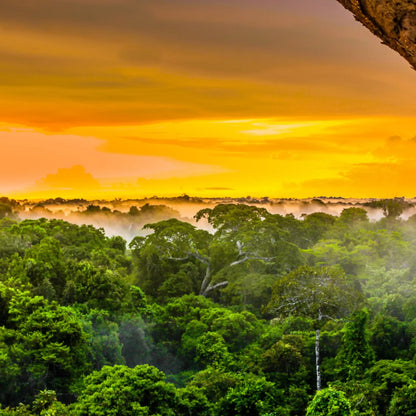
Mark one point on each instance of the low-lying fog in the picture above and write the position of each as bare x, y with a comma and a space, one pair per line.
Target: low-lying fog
127, 217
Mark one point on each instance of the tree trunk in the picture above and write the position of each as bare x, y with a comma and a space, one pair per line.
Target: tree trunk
318, 367
394, 22
206, 282
317, 358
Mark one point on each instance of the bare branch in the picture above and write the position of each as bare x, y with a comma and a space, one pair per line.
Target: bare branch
205, 283
213, 287
178, 258
329, 317
193, 254
234, 263
248, 257
240, 248
202, 259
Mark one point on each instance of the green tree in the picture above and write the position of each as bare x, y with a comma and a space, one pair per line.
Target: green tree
212, 350
386, 377
121, 390
192, 401
97, 287
253, 233
44, 404
137, 346
237, 328
215, 382
354, 216
5, 210
392, 208
243, 234
229, 218
356, 354
45, 267
329, 402
319, 293
390, 338
316, 225
173, 319
283, 364
105, 347
252, 290
403, 402
41, 345
177, 241
253, 396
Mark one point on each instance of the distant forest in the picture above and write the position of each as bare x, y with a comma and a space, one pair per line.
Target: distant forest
210, 308
127, 217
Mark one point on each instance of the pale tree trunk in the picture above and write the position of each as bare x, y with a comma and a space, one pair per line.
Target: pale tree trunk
317, 357
207, 280
318, 367
207, 286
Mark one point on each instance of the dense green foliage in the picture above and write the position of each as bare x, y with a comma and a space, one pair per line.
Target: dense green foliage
329, 402
185, 321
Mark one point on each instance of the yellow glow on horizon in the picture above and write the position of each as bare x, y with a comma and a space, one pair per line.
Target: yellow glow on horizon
358, 157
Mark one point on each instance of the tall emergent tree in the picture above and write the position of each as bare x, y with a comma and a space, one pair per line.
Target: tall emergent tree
320, 293
241, 234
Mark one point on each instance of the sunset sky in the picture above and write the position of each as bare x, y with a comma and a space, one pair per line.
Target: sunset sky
133, 98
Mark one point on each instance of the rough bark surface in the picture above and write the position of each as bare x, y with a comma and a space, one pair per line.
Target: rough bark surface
317, 362
393, 21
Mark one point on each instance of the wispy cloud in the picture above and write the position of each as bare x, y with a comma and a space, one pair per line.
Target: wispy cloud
85, 62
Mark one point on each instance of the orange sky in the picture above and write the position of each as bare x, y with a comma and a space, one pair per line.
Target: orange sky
132, 98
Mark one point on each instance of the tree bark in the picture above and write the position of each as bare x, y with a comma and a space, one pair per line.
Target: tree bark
318, 367
207, 280
207, 286
317, 358
394, 22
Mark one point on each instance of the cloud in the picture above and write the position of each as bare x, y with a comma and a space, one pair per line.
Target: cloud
303, 158
74, 178
73, 62
27, 154
203, 140
381, 180
395, 148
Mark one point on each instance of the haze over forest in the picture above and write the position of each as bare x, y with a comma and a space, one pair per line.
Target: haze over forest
234, 311
126, 217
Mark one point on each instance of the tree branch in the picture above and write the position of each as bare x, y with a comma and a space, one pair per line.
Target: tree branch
196, 255
240, 248
213, 287
178, 258
202, 259
248, 257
